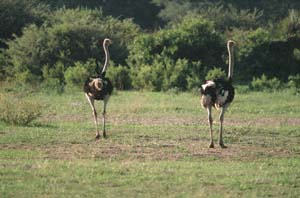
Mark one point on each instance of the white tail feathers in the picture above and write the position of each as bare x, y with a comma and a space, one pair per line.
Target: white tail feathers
97, 83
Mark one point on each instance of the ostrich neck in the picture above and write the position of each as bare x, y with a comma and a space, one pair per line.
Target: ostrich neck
106, 58
231, 62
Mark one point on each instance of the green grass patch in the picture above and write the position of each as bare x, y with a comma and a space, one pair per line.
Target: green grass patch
157, 146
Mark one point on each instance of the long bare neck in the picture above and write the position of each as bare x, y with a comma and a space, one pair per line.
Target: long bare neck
231, 61
105, 47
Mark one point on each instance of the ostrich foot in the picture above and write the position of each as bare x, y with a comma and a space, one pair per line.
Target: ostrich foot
104, 134
97, 136
222, 145
211, 145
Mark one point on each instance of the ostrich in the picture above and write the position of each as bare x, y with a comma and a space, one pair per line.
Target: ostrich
219, 93
99, 88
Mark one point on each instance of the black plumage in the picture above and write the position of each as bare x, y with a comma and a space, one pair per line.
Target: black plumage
107, 88
219, 88
106, 84
223, 86
220, 92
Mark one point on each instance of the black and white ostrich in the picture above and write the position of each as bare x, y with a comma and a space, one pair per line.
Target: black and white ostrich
99, 88
219, 93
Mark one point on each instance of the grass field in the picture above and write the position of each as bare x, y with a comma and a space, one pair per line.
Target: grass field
157, 146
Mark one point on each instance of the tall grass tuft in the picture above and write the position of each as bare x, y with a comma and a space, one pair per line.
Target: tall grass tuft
17, 111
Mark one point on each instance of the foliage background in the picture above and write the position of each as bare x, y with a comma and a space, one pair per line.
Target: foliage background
157, 45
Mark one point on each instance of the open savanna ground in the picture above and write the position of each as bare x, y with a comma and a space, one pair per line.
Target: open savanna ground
157, 146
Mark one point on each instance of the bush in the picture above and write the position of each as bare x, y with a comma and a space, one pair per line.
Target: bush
15, 110
251, 53
288, 26
164, 75
257, 53
52, 85
173, 91
65, 39
147, 78
225, 17
215, 73
265, 84
242, 89
54, 72
175, 56
16, 14
77, 75
294, 82
176, 75
195, 76
120, 77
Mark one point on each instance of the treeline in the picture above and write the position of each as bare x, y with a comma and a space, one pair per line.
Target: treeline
157, 45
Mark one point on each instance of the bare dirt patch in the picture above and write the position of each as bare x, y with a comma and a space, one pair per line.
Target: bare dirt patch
180, 120
160, 151
151, 150
110, 152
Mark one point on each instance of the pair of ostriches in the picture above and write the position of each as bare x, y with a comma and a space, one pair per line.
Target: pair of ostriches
218, 93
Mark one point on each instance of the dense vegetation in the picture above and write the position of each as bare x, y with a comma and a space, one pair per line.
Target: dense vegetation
157, 45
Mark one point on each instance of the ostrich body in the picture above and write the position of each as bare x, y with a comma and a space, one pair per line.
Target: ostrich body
218, 93
99, 88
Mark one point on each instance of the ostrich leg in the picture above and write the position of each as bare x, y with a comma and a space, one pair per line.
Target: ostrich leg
223, 109
104, 114
210, 121
91, 101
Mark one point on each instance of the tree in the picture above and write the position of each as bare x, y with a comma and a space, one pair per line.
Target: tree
70, 35
16, 14
142, 12
171, 57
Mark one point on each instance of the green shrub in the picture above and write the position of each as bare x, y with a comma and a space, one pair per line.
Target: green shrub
251, 53
146, 78
77, 75
120, 77
296, 54
176, 56
288, 26
69, 36
162, 75
52, 85
215, 73
241, 89
54, 72
27, 77
15, 110
16, 14
265, 84
195, 76
225, 17
176, 75
294, 83
174, 91
3, 65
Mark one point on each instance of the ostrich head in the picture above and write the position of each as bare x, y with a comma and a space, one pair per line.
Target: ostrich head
106, 42
230, 43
